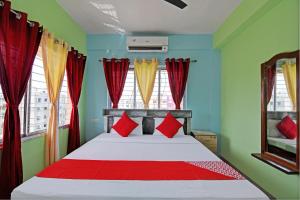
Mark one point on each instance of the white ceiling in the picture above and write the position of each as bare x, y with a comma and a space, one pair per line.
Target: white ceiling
150, 16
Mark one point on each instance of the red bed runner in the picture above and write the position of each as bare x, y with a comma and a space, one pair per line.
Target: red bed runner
140, 170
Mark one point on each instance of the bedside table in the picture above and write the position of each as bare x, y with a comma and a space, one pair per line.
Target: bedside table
208, 139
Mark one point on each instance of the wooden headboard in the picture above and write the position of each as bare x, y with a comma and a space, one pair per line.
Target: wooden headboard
148, 118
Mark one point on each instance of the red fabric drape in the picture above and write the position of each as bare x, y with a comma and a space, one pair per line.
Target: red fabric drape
19, 42
178, 71
75, 70
115, 72
271, 76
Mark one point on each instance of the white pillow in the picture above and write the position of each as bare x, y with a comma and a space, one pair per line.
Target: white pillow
273, 130
158, 121
137, 131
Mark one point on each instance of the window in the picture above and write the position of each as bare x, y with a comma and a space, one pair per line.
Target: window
65, 105
128, 98
280, 100
161, 96
166, 100
34, 108
38, 107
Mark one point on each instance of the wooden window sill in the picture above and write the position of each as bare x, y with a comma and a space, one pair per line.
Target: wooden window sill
275, 165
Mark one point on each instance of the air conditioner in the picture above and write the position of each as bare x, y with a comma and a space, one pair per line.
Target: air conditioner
147, 44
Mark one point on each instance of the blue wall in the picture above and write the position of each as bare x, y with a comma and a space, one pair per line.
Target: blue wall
203, 87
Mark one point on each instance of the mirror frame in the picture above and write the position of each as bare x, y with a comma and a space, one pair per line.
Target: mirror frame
293, 166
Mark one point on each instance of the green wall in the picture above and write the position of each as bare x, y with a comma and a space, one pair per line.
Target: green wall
256, 30
57, 21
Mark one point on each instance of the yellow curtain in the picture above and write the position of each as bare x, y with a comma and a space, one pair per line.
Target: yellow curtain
289, 73
145, 72
54, 59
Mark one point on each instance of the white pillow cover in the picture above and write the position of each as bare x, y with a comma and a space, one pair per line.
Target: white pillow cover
272, 129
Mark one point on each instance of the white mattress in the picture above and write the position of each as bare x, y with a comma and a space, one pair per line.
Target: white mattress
285, 144
146, 147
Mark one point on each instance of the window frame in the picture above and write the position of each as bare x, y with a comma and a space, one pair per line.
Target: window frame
274, 96
27, 99
26, 122
68, 96
25, 131
160, 68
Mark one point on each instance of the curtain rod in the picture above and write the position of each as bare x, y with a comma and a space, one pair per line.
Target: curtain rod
18, 15
192, 61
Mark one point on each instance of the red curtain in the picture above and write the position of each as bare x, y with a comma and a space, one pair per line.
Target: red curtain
115, 71
19, 42
270, 75
75, 70
178, 71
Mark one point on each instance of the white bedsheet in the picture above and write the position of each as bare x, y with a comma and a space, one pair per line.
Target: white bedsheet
146, 147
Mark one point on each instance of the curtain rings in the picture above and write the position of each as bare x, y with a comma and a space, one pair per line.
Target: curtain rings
18, 15
56, 41
31, 24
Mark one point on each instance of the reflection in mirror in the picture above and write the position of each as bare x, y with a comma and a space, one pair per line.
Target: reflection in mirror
280, 112
282, 109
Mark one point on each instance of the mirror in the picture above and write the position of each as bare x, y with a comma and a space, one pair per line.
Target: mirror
280, 110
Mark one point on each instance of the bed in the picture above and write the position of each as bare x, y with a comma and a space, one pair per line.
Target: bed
278, 144
288, 145
144, 150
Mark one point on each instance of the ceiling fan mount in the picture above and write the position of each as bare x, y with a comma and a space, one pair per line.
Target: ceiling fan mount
178, 3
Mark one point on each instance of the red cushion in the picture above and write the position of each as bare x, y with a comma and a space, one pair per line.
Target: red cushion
287, 127
125, 125
169, 126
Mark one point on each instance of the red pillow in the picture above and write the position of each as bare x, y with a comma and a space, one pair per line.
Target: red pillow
287, 127
125, 125
169, 126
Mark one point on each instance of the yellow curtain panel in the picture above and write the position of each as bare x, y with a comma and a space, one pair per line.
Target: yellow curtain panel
145, 72
289, 73
54, 59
